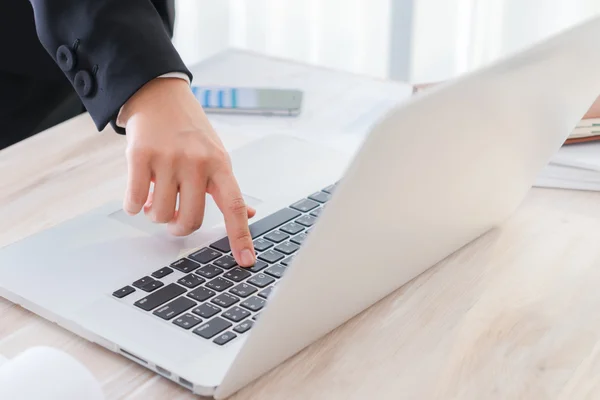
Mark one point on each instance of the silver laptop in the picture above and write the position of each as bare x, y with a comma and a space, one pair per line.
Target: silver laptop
333, 236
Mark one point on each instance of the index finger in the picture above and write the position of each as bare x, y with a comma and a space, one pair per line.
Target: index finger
228, 197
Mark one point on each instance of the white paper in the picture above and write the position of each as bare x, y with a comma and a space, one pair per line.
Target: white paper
44, 373
562, 177
338, 108
580, 155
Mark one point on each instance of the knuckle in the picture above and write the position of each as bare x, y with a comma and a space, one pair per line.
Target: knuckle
136, 195
199, 159
131, 207
237, 206
242, 235
220, 157
168, 156
138, 154
189, 226
192, 157
162, 216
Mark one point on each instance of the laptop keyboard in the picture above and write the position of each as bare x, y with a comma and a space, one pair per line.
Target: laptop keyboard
216, 299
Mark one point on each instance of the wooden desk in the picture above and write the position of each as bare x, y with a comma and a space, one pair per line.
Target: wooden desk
513, 315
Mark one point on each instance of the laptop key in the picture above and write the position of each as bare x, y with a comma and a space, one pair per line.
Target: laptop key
212, 327
222, 245
255, 316
305, 205
187, 321
224, 338
258, 266
277, 236
160, 297
161, 273
307, 220
287, 248
271, 256
225, 300
292, 228
254, 303
219, 284
262, 244
237, 274
209, 271
206, 310
260, 227
329, 189
275, 270
191, 281
243, 290
127, 290
261, 280
152, 286
174, 308
272, 221
184, 265
299, 239
316, 212
201, 294
225, 262
244, 326
321, 197
205, 255
265, 293
288, 261
143, 281
236, 314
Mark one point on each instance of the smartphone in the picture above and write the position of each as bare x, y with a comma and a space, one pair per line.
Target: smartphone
249, 100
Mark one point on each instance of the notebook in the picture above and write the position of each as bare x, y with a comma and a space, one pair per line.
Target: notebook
587, 130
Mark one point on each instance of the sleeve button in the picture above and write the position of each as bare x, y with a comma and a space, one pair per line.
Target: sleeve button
84, 83
65, 58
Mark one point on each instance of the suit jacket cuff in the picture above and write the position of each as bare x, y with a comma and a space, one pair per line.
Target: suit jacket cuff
110, 50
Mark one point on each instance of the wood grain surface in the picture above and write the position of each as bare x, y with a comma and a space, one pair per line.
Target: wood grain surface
513, 315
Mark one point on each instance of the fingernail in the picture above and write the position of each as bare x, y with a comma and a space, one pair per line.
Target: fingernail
247, 258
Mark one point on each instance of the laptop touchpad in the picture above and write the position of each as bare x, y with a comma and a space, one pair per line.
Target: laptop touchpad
212, 217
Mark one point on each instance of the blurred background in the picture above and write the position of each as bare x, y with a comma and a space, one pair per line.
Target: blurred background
408, 40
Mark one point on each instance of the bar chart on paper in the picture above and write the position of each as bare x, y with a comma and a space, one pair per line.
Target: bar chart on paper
338, 107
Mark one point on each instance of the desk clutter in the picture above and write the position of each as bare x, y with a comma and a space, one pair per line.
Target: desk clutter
577, 164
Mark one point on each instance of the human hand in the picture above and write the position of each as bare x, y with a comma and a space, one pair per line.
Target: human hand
171, 143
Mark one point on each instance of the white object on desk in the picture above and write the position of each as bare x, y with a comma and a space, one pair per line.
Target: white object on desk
338, 108
580, 155
44, 373
574, 166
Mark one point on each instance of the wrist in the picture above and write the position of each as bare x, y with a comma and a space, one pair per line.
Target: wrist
149, 97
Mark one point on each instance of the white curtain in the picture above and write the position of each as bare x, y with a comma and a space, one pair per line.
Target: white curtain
351, 35
454, 36
447, 37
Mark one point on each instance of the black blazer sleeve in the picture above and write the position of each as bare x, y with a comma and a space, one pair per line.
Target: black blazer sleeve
107, 49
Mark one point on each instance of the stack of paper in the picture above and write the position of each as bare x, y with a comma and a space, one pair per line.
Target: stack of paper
587, 130
575, 166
